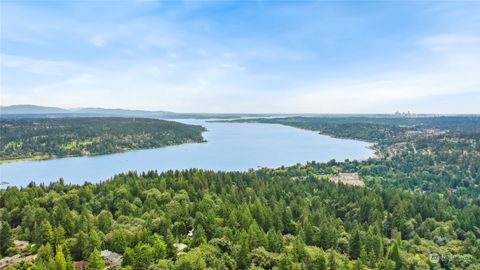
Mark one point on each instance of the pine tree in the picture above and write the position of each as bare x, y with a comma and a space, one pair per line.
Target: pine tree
256, 235
355, 245
274, 241
378, 246
285, 262
243, 256
394, 255
44, 233
105, 221
82, 247
160, 247
95, 241
169, 241
45, 252
358, 265
69, 262
321, 262
95, 262
364, 256
332, 265
199, 236
60, 262
298, 249
5, 237
52, 265
58, 235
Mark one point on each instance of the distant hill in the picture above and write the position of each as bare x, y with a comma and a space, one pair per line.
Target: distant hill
36, 111
122, 112
31, 109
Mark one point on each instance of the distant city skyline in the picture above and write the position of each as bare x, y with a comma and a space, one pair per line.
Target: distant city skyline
243, 56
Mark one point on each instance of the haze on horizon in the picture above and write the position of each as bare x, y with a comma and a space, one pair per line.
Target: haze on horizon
243, 56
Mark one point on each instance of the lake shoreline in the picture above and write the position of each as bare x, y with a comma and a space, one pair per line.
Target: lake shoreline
226, 147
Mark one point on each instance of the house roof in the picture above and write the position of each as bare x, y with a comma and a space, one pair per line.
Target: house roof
111, 258
180, 246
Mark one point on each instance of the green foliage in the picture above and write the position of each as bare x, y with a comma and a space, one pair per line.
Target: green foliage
394, 255
5, 238
140, 257
60, 137
243, 253
320, 262
95, 262
44, 233
332, 265
105, 221
420, 197
60, 262
355, 245
199, 237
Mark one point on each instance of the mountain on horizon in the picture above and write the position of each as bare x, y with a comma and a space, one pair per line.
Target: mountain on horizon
31, 109
28, 109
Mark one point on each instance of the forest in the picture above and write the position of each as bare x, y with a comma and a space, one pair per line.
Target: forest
43, 138
421, 198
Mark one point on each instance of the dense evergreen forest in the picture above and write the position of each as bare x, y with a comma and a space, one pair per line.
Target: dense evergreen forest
376, 129
60, 137
421, 197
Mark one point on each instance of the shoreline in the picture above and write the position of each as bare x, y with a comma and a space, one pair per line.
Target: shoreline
48, 157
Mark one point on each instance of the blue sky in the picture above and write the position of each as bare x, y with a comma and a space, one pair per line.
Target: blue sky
243, 56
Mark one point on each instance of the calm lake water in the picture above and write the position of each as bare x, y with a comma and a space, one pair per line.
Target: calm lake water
230, 146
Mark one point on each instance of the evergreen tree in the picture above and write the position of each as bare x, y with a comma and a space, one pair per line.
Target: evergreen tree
105, 221
394, 255
83, 247
286, 262
256, 235
160, 247
364, 256
199, 236
95, 241
69, 262
298, 249
5, 238
358, 265
143, 256
52, 265
60, 262
355, 245
44, 233
95, 262
378, 246
58, 235
169, 241
45, 252
274, 241
243, 255
332, 265
321, 262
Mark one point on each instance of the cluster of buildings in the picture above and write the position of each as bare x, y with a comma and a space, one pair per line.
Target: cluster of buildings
112, 260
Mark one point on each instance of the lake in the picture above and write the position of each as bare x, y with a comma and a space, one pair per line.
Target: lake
229, 146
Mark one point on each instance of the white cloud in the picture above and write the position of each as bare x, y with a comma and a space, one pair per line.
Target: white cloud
450, 67
45, 67
98, 40
448, 42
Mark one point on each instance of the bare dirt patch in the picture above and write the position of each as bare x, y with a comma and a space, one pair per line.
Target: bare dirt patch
347, 179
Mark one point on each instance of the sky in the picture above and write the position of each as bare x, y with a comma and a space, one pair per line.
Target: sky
243, 56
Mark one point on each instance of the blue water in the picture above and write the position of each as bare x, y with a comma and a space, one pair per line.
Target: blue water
230, 146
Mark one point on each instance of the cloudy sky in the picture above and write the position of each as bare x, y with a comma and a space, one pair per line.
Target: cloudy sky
243, 56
